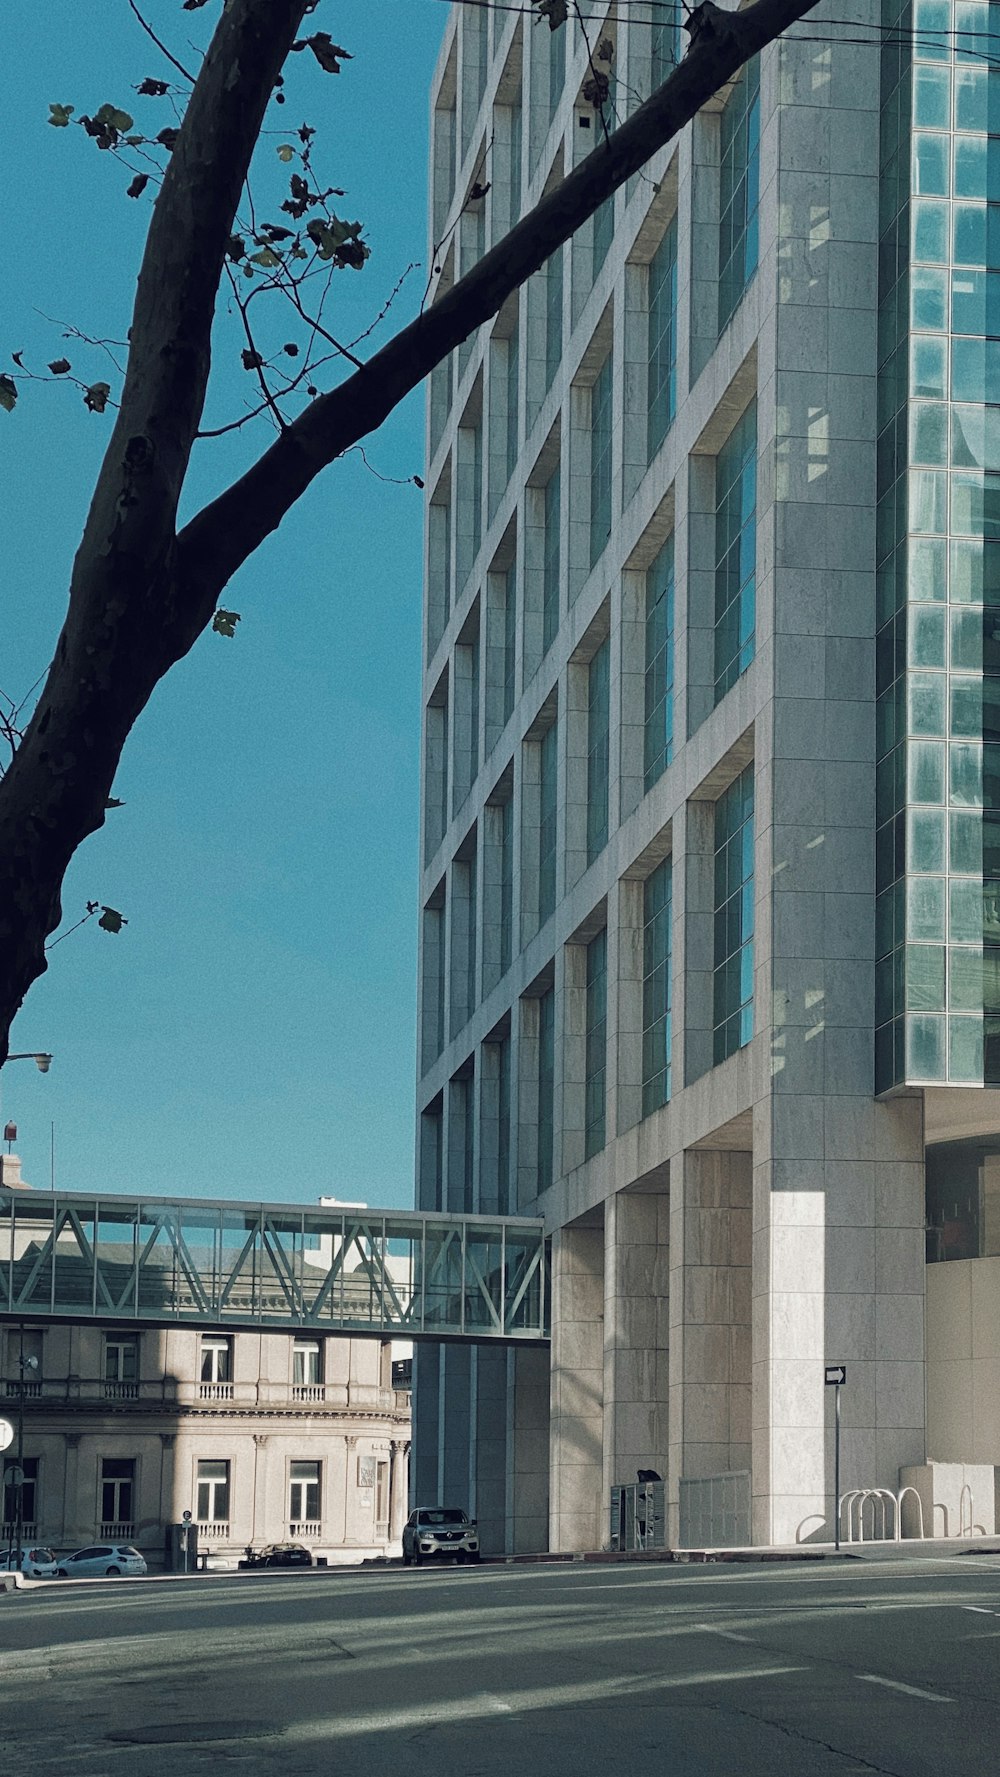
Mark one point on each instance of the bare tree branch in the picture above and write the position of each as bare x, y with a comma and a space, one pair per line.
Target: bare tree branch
216, 542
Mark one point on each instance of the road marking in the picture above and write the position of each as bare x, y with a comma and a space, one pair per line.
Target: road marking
724, 1634
909, 1690
980, 1610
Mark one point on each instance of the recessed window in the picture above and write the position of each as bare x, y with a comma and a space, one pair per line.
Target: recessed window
734, 917
735, 552
739, 179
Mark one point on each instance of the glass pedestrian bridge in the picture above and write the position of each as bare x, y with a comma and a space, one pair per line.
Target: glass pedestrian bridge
199, 1262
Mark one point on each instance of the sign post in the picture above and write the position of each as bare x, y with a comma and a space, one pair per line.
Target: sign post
834, 1376
185, 1536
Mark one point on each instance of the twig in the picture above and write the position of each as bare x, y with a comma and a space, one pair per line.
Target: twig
160, 46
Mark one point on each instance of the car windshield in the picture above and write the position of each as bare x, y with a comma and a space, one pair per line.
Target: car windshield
443, 1517
40, 1555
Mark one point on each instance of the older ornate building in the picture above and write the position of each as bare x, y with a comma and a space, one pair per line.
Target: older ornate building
261, 1436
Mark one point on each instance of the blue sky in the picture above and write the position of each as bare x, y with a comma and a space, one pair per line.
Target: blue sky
251, 1033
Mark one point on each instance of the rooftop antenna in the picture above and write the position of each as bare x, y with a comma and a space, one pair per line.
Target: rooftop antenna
10, 1135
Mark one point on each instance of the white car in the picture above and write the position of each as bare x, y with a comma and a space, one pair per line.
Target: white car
36, 1564
98, 1559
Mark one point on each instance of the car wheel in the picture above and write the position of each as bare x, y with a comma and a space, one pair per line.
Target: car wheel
474, 1556
61, 1573
113, 1570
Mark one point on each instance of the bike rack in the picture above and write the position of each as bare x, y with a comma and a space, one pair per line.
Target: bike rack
882, 1498
920, 1512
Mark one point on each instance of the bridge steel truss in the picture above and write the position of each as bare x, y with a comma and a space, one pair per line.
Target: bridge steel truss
207, 1263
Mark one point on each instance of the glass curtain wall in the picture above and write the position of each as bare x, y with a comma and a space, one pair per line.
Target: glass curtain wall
546, 1088
938, 547
551, 566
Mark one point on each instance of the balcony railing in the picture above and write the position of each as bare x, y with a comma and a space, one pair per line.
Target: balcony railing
308, 1391
116, 1531
214, 1530
8, 1532
215, 1391
31, 1390
311, 1528
121, 1391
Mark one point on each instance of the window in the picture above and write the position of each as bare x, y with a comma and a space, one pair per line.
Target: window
506, 883
739, 173
117, 1487
551, 561
512, 402
658, 736
596, 1043
509, 641
382, 1493
657, 945
735, 552
557, 69
553, 316
474, 68
546, 1088
515, 163
547, 824
503, 1127
664, 35
29, 1492
600, 461
213, 1492
734, 918
303, 1493
121, 1358
597, 751
307, 1363
216, 1358
661, 342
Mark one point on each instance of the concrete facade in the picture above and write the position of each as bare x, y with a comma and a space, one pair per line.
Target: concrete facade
726, 1226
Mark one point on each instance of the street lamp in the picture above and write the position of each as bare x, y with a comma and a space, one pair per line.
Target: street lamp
42, 1061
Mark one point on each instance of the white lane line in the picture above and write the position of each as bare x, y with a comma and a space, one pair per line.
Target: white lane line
724, 1634
909, 1690
980, 1610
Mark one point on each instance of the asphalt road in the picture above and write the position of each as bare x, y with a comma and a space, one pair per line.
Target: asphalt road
574, 1671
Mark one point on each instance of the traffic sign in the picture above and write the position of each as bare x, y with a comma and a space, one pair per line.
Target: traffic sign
6, 1434
186, 1517
835, 1375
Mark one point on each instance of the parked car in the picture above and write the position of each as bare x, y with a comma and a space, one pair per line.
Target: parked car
278, 1555
98, 1559
432, 1531
36, 1564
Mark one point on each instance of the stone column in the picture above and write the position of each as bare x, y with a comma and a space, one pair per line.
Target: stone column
398, 1488
577, 1397
710, 1319
636, 1382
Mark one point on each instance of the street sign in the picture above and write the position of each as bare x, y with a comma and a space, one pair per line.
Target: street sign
186, 1517
6, 1434
835, 1375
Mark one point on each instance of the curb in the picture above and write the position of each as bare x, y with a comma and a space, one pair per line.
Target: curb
11, 1582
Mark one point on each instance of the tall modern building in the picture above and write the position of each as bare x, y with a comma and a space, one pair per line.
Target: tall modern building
710, 880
